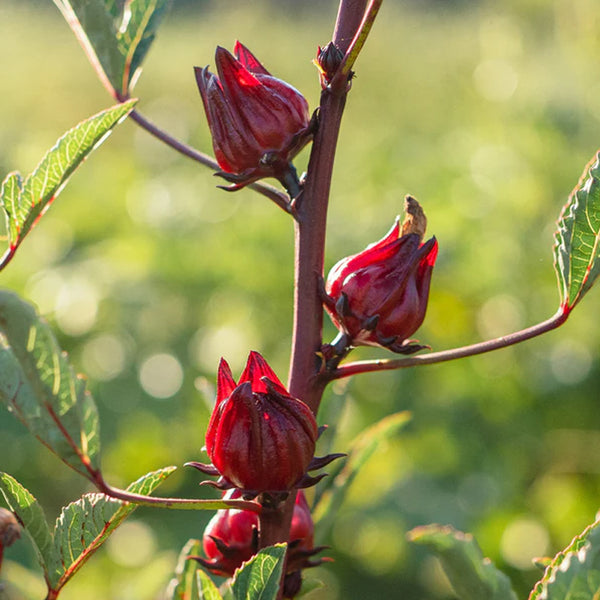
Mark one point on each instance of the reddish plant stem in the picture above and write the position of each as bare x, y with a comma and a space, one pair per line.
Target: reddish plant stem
311, 221
370, 366
270, 192
181, 503
349, 17
357, 43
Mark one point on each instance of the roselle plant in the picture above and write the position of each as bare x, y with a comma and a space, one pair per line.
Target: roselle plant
263, 440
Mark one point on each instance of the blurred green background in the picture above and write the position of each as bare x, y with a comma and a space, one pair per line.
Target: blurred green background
487, 112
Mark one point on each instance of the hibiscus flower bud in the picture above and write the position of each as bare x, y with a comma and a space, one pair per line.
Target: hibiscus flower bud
231, 537
328, 60
379, 296
258, 123
259, 438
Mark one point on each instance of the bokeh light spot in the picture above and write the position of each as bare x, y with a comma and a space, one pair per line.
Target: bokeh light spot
523, 540
104, 357
132, 545
500, 315
495, 80
76, 306
161, 375
570, 361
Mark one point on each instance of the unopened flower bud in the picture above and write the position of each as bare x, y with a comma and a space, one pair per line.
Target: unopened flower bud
258, 123
329, 58
230, 538
259, 438
379, 296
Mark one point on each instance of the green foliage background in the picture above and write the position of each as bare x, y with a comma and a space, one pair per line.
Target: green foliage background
487, 113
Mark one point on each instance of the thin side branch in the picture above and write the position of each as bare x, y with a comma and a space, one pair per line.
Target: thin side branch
272, 193
179, 503
370, 366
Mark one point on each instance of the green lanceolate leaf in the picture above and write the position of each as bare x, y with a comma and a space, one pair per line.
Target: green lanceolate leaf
23, 202
84, 525
135, 40
31, 516
39, 386
577, 240
116, 36
472, 576
361, 449
309, 586
259, 578
574, 573
207, 590
183, 585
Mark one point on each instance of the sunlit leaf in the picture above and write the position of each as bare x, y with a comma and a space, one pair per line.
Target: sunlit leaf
116, 36
336, 486
207, 590
309, 585
24, 202
183, 585
574, 573
31, 516
39, 386
259, 578
577, 240
472, 576
84, 525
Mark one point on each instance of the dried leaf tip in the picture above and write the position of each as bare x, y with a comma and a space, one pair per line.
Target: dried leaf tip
415, 220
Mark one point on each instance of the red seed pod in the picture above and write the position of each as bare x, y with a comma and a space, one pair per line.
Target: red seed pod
302, 530
379, 296
258, 123
259, 438
231, 537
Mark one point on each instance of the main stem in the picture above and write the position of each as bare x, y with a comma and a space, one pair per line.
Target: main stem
310, 245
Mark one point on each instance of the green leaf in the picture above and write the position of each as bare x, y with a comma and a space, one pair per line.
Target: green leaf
309, 585
24, 202
258, 579
31, 516
206, 588
226, 591
577, 240
116, 36
361, 449
147, 483
574, 573
183, 585
84, 525
472, 576
39, 386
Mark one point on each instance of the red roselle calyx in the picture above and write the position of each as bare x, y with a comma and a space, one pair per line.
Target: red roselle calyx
258, 123
379, 296
231, 538
259, 438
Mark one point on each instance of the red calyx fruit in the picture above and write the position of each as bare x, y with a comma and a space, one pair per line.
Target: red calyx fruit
259, 438
258, 123
379, 296
231, 537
